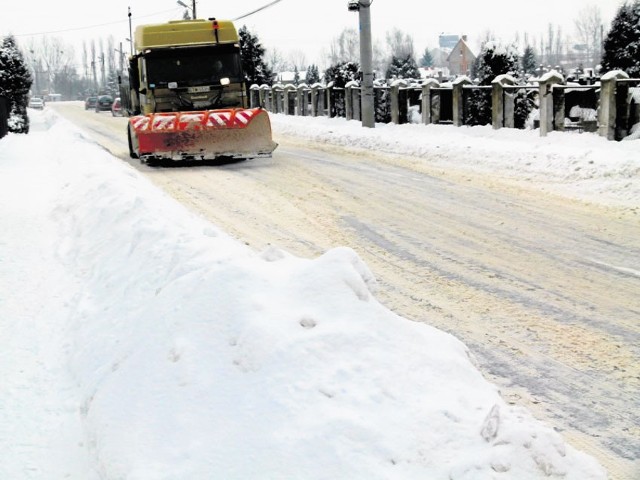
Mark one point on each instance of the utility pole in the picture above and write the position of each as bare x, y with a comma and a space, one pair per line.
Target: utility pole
121, 58
363, 7
193, 7
130, 35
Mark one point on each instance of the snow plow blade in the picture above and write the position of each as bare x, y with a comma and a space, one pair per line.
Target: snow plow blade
203, 135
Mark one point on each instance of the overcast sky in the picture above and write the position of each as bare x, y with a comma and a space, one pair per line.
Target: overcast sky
301, 25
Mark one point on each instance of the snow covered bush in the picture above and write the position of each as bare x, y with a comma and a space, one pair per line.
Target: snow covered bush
382, 103
15, 82
524, 104
403, 67
496, 59
339, 75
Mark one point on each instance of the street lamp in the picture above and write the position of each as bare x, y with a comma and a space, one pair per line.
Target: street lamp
193, 8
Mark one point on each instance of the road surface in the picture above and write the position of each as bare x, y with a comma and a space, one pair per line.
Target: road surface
544, 290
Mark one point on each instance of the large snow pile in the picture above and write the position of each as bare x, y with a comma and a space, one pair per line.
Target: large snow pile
140, 342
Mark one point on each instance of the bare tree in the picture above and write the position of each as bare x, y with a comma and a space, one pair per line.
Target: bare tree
298, 60
588, 29
102, 59
275, 60
49, 57
111, 55
400, 44
486, 36
93, 65
554, 47
85, 60
345, 47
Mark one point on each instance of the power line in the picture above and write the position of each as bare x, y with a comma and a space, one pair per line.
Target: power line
90, 26
257, 10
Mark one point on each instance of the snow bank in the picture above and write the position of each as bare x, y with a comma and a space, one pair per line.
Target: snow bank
584, 166
184, 354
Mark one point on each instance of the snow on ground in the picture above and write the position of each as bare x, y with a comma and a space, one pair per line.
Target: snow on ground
584, 166
139, 342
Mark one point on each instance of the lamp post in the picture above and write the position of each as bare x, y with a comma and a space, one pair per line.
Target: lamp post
193, 8
366, 60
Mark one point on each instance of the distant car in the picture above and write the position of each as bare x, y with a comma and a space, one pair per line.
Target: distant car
104, 103
90, 102
36, 102
116, 108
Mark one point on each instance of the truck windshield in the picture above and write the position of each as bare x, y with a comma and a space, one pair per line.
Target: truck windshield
194, 66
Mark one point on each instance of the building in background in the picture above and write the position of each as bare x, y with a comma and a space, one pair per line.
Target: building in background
448, 41
461, 59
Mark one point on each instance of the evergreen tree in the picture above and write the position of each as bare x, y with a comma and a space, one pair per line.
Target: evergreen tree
493, 60
427, 58
296, 76
254, 65
529, 62
313, 75
403, 67
15, 82
342, 73
622, 44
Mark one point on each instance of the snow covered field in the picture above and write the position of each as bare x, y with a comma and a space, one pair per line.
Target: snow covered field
140, 342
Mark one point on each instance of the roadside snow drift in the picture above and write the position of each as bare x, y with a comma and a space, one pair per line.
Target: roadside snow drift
584, 166
140, 342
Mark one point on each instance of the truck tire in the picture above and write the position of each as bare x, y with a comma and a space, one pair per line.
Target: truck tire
132, 154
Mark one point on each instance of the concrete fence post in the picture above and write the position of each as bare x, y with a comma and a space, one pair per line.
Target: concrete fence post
499, 108
458, 99
302, 99
426, 99
348, 99
276, 95
608, 112
394, 94
254, 96
356, 102
317, 100
545, 95
265, 97
289, 99
330, 100
396, 108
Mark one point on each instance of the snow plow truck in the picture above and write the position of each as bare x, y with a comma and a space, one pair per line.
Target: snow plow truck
186, 96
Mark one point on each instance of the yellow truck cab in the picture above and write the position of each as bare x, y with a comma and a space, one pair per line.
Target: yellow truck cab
185, 65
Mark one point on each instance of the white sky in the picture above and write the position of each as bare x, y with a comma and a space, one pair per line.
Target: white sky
297, 25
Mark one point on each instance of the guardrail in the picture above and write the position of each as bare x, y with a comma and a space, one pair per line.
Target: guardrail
503, 104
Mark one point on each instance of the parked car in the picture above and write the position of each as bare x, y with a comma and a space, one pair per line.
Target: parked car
36, 102
90, 102
116, 108
104, 103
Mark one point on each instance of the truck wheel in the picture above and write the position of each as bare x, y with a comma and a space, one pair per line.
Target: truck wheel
132, 154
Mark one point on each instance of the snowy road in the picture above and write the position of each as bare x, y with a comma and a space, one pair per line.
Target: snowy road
543, 289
